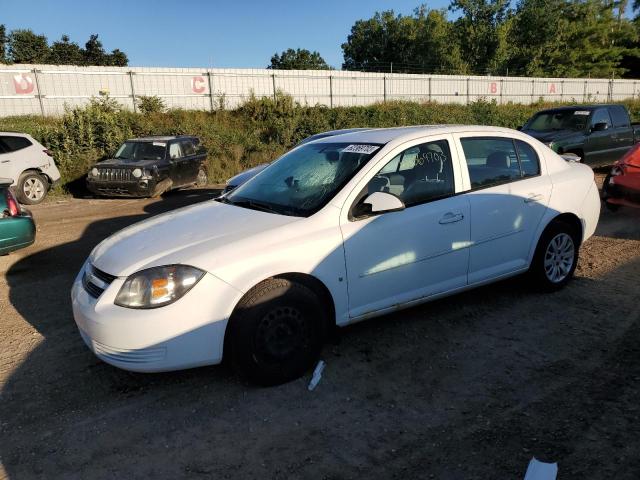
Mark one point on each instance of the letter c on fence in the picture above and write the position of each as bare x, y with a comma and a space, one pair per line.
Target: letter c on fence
493, 87
197, 85
23, 84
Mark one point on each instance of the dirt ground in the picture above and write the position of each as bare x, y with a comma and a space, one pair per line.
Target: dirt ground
468, 387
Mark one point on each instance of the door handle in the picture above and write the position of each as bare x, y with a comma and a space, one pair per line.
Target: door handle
533, 197
5, 161
451, 218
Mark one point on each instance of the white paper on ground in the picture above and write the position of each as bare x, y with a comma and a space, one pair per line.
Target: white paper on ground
317, 375
538, 470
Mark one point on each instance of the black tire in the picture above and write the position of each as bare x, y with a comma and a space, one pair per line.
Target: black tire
31, 188
276, 332
559, 244
612, 207
202, 179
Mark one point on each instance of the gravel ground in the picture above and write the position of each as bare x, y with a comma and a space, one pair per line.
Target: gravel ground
470, 386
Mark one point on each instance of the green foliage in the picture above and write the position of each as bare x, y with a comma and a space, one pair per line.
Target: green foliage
150, 104
299, 59
24, 46
257, 132
27, 47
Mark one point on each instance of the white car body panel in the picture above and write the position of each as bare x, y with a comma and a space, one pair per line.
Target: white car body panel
369, 266
13, 164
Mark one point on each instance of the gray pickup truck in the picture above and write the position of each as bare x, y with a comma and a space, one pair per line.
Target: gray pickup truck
598, 134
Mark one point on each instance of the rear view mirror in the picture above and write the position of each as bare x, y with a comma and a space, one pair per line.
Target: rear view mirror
378, 202
600, 126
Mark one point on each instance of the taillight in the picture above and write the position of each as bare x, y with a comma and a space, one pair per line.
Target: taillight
48, 152
12, 204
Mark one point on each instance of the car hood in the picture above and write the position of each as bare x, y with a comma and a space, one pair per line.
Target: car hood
173, 237
242, 177
116, 162
551, 135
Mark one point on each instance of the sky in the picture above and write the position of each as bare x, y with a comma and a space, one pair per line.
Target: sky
199, 33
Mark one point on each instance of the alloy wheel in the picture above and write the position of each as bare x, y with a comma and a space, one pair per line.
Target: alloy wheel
34, 189
559, 257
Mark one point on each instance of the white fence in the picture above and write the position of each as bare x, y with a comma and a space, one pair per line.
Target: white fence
46, 89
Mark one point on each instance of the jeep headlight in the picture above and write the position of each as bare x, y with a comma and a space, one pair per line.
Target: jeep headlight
137, 173
94, 172
158, 286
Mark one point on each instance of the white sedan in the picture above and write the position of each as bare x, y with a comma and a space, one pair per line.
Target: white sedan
336, 231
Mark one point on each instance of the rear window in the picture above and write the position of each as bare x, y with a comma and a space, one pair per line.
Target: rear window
13, 144
619, 116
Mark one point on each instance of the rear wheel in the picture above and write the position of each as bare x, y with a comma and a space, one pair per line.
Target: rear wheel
31, 188
276, 332
556, 256
202, 178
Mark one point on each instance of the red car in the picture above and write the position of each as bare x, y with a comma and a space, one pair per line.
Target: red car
622, 185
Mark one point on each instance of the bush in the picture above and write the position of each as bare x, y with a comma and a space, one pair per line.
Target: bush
150, 104
257, 132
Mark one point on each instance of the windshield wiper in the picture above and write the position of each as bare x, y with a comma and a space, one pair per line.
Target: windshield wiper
252, 204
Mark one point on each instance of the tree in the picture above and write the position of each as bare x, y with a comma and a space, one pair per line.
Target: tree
3, 44
118, 58
481, 31
27, 47
93, 52
299, 59
423, 42
65, 52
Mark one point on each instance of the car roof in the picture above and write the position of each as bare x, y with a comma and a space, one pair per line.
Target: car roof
581, 107
386, 135
160, 138
16, 134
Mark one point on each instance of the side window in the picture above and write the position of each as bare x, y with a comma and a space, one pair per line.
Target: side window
529, 161
491, 161
619, 116
417, 175
175, 151
601, 116
187, 148
12, 144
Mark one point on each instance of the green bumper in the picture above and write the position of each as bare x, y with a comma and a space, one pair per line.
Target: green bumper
16, 232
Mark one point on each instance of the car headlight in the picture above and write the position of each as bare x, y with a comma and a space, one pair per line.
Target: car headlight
94, 172
137, 173
158, 286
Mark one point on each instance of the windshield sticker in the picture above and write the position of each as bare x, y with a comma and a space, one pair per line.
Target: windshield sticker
159, 144
581, 112
366, 149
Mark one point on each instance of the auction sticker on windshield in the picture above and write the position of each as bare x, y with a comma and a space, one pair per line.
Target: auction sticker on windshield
367, 149
581, 112
159, 144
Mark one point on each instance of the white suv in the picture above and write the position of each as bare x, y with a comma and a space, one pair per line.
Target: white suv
29, 165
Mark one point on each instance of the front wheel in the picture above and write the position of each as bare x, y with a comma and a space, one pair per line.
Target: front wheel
276, 332
31, 188
556, 257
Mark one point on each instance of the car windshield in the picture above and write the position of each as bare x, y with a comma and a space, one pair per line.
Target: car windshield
304, 180
560, 120
141, 151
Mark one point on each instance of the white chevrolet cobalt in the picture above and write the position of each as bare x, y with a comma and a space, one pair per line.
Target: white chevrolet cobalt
338, 230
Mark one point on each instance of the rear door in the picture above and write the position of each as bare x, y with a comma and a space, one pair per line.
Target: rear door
191, 160
178, 165
508, 195
622, 137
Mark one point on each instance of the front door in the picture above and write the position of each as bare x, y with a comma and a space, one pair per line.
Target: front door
397, 257
508, 198
600, 147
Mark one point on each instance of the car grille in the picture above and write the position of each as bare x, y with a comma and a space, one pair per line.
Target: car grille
115, 175
95, 281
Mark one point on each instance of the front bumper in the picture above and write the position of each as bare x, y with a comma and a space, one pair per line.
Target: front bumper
185, 334
138, 188
622, 190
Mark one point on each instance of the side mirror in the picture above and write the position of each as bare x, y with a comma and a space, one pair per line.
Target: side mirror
600, 126
200, 150
377, 203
